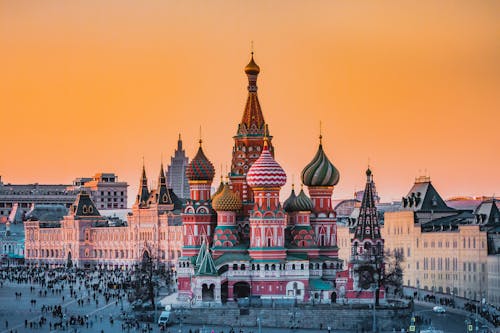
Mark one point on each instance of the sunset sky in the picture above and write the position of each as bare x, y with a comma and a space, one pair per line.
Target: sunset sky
91, 86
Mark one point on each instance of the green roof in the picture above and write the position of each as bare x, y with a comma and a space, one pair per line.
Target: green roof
207, 266
297, 256
228, 257
318, 284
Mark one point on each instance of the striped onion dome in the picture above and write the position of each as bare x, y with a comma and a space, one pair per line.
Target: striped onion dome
265, 171
200, 168
288, 202
320, 171
226, 200
301, 203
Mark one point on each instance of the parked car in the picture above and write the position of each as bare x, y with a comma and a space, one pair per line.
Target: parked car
439, 309
164, 319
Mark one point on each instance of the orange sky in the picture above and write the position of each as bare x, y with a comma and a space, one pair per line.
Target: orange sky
88, 86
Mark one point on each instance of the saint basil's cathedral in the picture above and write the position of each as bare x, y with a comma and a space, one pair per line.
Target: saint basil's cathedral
242, 242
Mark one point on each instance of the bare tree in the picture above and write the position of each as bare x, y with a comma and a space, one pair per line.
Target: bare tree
392, 275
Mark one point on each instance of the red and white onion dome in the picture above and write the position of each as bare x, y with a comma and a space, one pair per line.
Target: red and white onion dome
265, 171
200, 168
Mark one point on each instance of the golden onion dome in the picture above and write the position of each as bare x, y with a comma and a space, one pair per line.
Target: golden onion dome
226, 200
252, 68
219, 189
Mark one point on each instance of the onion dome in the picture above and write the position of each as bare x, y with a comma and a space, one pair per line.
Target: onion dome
320, 171
200, 167
252, 68
226, 200
219, 189
301, 203
265, 171
288, 202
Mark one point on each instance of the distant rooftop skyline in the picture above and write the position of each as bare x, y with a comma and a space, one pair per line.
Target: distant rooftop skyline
96, 86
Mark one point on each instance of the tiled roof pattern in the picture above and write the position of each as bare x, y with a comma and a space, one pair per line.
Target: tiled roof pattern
226, 200
200, 167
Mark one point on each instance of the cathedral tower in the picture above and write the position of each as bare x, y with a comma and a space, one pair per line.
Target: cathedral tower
267, 219
198, 217
320, 176
249, 140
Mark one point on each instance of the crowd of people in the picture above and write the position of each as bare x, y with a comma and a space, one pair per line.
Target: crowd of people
82, 288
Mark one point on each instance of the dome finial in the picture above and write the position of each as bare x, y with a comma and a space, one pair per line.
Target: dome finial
266, 138
320, 134
200, 140
252, 68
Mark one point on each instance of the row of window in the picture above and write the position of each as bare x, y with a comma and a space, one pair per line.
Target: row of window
114, 193
466, 243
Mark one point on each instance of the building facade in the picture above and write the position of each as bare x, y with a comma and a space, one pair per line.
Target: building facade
176, 172
16, 200
84, 238
445, 250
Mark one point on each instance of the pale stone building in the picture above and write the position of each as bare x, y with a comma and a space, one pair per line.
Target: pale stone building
445, 250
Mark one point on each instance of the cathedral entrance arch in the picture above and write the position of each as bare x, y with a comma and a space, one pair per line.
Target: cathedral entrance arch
333, 297
207, 292
241, 289
69, 262
224, 291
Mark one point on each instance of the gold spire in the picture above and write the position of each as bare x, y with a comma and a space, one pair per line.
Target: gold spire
266, 139
320, 135
200, 141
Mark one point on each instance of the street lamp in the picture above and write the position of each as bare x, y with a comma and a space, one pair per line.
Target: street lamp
374, 287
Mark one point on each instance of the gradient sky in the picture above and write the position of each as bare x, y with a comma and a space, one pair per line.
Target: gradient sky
89, 86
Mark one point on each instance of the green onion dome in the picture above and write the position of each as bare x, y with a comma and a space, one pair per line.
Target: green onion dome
200, 168
288, 202
301, 203
320, 171
226, 200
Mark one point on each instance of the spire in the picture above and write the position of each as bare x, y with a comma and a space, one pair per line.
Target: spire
201, 252
179, 143
162, 190
207, 264
253, 120
320, 135
143, 193
368, 227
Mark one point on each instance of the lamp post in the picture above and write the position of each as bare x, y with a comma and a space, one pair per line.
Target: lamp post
374, 287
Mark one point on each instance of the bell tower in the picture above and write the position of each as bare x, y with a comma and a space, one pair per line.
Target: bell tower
249, 140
